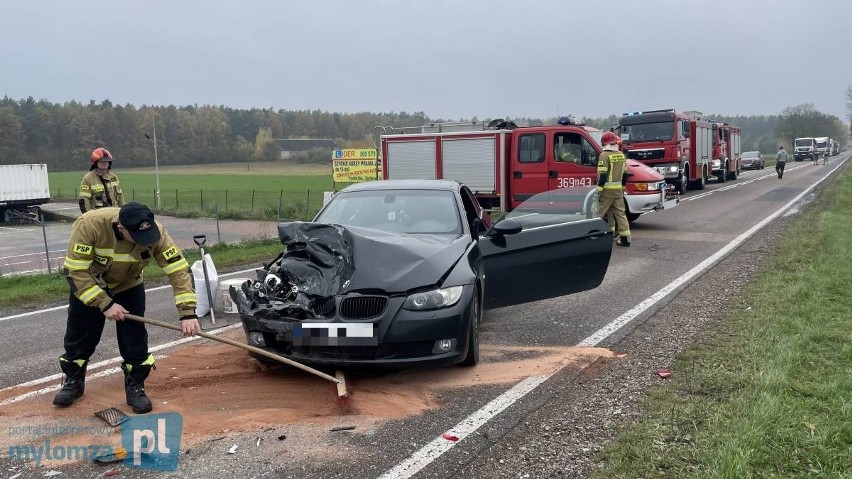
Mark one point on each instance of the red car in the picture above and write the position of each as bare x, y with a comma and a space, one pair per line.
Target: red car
752, 160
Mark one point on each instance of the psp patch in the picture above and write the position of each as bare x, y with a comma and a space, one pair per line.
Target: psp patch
171, 253
82, 248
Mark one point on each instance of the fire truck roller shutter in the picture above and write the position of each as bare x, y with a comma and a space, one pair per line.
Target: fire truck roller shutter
463, 162
411, 160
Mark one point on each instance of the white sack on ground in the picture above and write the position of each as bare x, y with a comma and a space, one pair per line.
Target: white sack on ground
203, 305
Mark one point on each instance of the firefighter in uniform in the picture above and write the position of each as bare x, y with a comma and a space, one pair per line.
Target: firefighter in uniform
107, 252
99, 188
612, 177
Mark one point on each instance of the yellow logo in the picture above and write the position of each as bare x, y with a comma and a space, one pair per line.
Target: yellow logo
84, 187
171, 252
82, 248
100, 260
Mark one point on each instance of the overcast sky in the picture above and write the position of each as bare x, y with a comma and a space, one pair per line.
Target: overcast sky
449, 58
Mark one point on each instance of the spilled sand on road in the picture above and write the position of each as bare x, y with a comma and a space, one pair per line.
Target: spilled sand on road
220, 391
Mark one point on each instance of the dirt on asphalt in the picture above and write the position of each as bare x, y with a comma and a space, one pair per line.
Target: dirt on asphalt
221, 392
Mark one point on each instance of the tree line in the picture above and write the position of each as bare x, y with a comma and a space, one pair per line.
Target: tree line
63, 135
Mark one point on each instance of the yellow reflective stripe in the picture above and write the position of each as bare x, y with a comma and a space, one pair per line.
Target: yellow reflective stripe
184, 298
149, 361
97, 188
85, 194
612, 186
176, 266
76, 264
118, 257
112, 285
87, 296
124, 258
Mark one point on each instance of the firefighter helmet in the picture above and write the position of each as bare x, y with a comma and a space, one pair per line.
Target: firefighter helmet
609, 138
101, 154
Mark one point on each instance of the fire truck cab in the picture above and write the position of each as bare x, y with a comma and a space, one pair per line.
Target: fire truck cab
726, 152
676, 144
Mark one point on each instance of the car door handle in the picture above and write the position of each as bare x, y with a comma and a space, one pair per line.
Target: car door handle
552, 174
517, 174
594, 234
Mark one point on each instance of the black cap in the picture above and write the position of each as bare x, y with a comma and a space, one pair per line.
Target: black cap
138, 220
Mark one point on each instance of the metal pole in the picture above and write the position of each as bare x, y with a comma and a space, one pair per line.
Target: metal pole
218, 233
156, 164
44, 235
156, 159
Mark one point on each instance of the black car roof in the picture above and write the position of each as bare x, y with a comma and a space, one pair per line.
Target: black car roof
405, 185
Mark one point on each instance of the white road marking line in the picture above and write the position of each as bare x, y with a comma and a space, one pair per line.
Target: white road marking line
57, 308
434, 449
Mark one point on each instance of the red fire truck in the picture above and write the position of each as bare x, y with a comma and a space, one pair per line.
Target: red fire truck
679, 145
726, 151
504, 164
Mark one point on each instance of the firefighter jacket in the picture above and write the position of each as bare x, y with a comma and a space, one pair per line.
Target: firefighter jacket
612, 172
100, 191
100, 262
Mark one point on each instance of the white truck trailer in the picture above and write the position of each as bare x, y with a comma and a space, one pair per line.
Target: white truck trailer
22, 186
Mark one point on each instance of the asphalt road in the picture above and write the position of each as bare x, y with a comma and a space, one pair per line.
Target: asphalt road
30, 248
666, 245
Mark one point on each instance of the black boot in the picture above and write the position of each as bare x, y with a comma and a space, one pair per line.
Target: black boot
134, 387
74, 383
623, 241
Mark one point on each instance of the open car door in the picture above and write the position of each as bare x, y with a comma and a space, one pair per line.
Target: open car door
555, 253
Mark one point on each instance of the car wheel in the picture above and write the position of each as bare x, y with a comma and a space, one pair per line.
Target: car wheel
631, 217
472, 357
700, 182
684, 182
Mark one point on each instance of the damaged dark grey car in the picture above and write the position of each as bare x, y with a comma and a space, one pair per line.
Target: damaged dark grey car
398, 273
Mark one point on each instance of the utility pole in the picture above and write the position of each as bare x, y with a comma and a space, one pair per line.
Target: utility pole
156, 160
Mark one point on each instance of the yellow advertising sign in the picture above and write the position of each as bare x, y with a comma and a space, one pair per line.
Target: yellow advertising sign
354, 165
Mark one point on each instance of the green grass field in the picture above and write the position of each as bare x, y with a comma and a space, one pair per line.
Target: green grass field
769, 392
266, 190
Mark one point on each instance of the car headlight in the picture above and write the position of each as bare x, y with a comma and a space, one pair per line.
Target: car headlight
717, 163
435, 299
673, 169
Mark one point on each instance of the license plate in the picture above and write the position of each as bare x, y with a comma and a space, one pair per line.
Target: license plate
335, 334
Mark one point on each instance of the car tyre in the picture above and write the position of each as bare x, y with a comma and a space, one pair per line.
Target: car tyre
683, 184
472, 356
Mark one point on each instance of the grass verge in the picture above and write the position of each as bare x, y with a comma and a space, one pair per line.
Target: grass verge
18, 291
769, 392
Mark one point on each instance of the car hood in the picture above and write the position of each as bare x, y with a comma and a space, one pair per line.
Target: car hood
326, 260
641, 172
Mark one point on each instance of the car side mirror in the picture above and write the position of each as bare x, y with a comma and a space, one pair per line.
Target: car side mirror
505, 227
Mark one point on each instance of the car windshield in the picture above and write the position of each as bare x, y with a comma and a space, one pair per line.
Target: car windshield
751, 154
395, 211
659, 131
805, 142
563, 205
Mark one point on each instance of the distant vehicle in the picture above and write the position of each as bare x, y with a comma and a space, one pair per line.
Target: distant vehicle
752, 160
823, 146
22, 187
804, 149
398, 273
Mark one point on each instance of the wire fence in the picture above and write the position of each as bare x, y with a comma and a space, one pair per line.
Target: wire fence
225, 203
32, 244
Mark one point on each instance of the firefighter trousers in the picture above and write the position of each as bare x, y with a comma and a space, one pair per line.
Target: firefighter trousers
86, 324
611, 206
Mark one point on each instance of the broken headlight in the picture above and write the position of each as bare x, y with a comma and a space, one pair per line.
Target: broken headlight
435, 299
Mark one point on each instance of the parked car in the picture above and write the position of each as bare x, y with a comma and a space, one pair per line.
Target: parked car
752, 160
399, 272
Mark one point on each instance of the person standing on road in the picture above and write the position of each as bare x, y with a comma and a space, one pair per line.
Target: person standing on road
99, 187
107, 251
780, 161
612, 178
